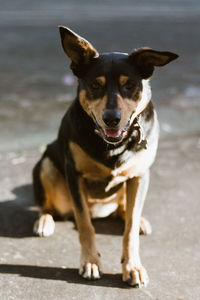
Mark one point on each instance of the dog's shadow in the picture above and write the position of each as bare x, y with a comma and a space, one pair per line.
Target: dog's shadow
69, 275
18, 216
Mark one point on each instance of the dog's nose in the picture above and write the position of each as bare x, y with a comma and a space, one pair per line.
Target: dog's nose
111, 117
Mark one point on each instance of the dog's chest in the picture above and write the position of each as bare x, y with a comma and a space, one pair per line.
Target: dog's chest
135, 165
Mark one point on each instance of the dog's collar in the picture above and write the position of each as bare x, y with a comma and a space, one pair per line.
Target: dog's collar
141, 140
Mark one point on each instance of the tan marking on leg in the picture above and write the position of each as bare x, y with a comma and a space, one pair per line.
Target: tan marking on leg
133, 271
145, 226
57, 194
122, 204
90, 267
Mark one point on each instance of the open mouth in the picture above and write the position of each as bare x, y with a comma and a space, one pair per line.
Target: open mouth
112, 135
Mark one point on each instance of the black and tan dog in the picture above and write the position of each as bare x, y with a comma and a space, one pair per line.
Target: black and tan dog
99, 163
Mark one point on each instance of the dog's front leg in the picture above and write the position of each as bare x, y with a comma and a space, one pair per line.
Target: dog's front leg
90, 267
133, 271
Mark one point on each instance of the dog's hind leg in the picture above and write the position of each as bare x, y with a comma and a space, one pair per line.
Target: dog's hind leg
145, 226
51, 194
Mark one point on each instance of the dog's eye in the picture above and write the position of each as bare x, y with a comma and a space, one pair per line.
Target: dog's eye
128, 85
95, 85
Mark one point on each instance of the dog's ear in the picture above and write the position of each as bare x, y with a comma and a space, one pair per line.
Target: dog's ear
145, 59
77, 48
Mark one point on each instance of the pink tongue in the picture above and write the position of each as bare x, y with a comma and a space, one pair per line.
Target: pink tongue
112, 132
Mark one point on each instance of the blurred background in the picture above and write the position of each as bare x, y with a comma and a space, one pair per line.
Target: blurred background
37, 85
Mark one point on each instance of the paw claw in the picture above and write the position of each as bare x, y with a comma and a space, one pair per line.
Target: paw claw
90, 271
135, 277
136, 285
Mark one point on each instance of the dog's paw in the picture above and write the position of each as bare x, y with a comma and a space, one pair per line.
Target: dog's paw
145, 226
135, 276
90, 267
44, 226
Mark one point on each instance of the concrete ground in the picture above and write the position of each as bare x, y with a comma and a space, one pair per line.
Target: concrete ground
46, 268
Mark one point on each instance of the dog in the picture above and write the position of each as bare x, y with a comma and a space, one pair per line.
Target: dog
99, 163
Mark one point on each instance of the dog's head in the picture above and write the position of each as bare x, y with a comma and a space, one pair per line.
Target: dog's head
113, 87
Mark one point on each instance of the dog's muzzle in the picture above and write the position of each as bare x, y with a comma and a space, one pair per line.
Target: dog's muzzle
112, 134
116, 135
